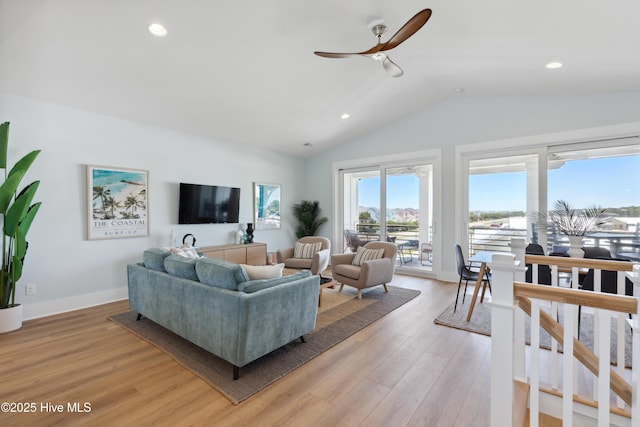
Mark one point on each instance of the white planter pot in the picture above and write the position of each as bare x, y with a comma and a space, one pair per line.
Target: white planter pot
10, 318
575, 247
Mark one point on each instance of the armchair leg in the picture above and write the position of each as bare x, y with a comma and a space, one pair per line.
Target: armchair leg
341, 286
359, 293
385, 287
139, 317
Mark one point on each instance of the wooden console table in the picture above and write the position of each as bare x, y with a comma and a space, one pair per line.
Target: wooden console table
251, 253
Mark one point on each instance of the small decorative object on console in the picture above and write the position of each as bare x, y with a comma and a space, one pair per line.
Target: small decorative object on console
249, 234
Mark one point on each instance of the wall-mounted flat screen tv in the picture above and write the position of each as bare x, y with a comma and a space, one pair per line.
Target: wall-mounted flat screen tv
208, 204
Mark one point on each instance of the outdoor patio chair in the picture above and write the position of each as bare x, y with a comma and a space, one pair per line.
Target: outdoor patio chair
352, 240
426, 252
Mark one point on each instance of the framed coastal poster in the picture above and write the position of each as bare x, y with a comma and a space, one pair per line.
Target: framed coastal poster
117, 202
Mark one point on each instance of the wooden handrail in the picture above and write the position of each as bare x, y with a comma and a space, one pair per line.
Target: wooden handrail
613, 302
580, 351
602, 264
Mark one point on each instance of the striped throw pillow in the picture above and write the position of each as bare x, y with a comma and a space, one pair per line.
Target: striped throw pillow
306, 250
364, 254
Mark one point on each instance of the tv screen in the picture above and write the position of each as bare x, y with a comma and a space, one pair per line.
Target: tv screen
208, 204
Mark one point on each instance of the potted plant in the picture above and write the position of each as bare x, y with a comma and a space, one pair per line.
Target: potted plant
307, 212
17, 215
574, 224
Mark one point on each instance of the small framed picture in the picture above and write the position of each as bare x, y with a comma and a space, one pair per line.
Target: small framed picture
118, 203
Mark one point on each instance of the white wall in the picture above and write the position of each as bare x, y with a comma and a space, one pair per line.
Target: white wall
71, 271
467, 121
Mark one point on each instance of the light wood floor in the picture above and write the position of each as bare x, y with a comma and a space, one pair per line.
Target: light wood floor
403, 370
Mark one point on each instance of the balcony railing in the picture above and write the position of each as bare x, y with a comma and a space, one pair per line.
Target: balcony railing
496, 239
493, 239
406, 236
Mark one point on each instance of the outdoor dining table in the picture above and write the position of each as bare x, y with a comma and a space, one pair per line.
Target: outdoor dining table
482, 257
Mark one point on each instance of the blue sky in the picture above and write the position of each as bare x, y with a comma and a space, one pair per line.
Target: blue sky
608, 182
402, 192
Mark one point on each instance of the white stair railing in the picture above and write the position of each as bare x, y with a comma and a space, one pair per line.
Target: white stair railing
507, 345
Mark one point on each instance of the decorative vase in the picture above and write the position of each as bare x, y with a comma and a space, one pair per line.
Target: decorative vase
239, 235
249, 233
575, 247
10, 318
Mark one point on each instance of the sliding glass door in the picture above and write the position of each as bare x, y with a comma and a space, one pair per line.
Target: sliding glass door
394, 203
504, 193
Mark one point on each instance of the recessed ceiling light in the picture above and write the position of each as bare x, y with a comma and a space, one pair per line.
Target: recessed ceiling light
157, 30
553, 65
307, 144
345, 116
459, 90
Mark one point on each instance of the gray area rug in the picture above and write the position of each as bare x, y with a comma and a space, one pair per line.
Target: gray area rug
333, 325
480, 323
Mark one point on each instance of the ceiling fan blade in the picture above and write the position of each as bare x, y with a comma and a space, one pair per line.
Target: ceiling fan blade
392, 68
408, 29
335, 55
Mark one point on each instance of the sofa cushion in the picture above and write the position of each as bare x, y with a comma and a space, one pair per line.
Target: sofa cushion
306, 250
153, 258
298, 263
364, 255
180, 266
256, 272
348, 270
219, 273
257, 285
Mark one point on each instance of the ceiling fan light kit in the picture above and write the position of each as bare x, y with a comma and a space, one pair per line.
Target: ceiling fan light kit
378, 52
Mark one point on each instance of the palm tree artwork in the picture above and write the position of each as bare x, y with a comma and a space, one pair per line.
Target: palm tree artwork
118, 203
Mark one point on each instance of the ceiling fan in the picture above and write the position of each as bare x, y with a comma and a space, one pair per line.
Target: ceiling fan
378, 52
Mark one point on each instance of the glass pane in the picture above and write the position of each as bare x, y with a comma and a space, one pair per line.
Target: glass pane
499, 201
267, 206
607, 177
361, 205
409, 213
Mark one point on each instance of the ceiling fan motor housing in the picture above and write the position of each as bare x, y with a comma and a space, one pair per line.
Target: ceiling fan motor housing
379, 30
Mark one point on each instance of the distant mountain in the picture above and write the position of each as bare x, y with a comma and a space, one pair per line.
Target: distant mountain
396, 214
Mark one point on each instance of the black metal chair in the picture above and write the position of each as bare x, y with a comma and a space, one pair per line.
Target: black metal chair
544, 271
466, 274
596, 252
608, 283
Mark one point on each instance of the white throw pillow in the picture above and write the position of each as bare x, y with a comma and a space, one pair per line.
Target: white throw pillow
363, 255
186, 251
257, 272
306, 250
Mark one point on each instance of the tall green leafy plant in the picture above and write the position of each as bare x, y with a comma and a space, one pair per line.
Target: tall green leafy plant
307, 213
17, 215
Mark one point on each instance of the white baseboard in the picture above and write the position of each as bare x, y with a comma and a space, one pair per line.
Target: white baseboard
63, 305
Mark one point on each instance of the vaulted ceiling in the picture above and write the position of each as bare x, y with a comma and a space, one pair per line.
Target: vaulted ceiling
245, 72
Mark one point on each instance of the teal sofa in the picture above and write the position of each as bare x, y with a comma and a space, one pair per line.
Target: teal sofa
213, 304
